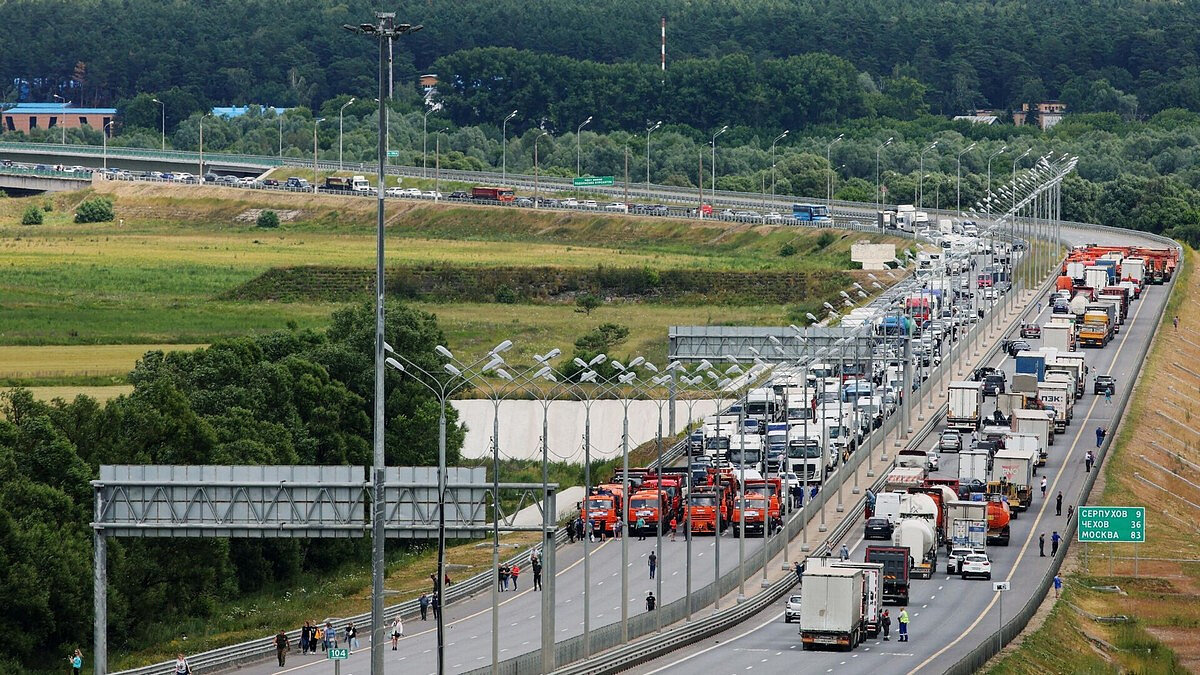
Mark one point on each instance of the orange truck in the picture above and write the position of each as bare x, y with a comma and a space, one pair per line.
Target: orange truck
644, 506
603, 507
757, 511
672, 489
703, 506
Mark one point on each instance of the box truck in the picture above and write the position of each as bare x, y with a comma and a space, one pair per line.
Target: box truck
872, 585
965, 405
831, 613
966, 524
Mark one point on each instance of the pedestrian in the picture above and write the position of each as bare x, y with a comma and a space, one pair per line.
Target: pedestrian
448, 582
314, 637
1058, 504
674, 527
503, 573
516, 572
579, 529
397, 631
352, 636
799, 573
653, 562
887, 625
1042, 545
424, 602
617, 529
1054, 539
598, 528
641, 528
182, 667
1176, 323
903, 620
844, 553
571, 531
650, 601
1089, 458
1070, 511
305, 636
76, 660
1100, 431
1057, 585
1108, 397
436, 603
812, 493
1043, 487
331, 641
281, 648
537, 574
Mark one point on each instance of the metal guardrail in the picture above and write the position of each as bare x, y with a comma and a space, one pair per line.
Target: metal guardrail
45, 173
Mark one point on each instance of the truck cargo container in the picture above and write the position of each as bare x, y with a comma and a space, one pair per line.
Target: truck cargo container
973, 465
965, 405
1026, 443
872, 583
1032, 363
1097, 276
1055, 395
1040, 423
966, 524
1097, 329
895, 561
1134, 269
831, 612
1024, 384
1016, 468
1058, 336
904, 477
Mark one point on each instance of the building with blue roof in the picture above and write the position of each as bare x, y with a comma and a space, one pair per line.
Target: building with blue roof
26, 117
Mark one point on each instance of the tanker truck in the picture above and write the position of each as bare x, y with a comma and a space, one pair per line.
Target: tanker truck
920, 537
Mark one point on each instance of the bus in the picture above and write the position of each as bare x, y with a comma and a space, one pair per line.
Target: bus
811, 213
495, 194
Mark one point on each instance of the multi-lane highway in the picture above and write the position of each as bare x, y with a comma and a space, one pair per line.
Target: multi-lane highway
950, 616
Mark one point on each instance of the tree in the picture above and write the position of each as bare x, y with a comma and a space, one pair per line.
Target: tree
586, 302
31, 216
95, 210
267, 219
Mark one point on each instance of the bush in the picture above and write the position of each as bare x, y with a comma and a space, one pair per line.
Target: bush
98, 210
48, 206
32, 216
587, 302
267, 219
787, 250
505, 295
826, 239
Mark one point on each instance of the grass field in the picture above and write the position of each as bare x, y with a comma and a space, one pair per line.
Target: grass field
1161, 590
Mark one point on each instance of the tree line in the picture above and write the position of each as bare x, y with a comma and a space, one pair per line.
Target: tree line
291, 397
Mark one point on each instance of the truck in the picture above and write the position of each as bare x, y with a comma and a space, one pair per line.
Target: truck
602, 508
1039, 423
1054, 395
904, 477
1032, 363
831, 614
1026, 443
1071, 365
495, 194
895, 571
1134, 269
999, 515
896, 505
873, 585
1015, 469
1075, 270
1058, 336
1096, 276
919, 536
758, 514
965, 405
704, 505
1118, 304
644, 505
1067, 378
966, 524
1107, 308
1009, 401
973, 466
1097, 329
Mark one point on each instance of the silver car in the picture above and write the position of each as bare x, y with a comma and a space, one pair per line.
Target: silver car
792, 610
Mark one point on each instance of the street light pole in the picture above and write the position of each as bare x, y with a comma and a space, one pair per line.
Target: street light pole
316, 123
958, 181
577, 131
201, 174
713, 186
281, 135
504, 147
777, 139
921, 180
878, 194
829, 167
63, 117
164, 122
104, 136
648, 130
341, 110
384, 31
989, 178
535, 166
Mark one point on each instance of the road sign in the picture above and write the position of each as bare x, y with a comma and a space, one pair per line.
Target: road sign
593, 181
393, 153
337, 654
1113, 524
1000, 586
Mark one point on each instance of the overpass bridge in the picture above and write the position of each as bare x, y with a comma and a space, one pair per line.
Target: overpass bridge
21, 180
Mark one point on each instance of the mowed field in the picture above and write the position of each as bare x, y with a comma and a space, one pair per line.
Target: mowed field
154, 279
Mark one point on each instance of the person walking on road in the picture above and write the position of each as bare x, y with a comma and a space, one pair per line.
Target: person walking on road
1043, 487
516, 572
674, 528
618, 528
281, 648
1057, 585
903, 620
76, 660
650, 601
653, 562
1070, 511
305, 636
641, 528
1100, 432
1089, 457
537, 574
352, 635
799, 572
1108, 396
1042, 545
424, 602
1054, 539
331, 641
1058, 504
182, 667
502, 578
844, 554
397, 631
886, 621
437, 606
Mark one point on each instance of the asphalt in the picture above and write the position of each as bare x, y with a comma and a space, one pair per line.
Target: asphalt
949, 616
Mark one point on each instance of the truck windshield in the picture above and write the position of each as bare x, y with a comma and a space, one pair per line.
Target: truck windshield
598, 504
704, 500
717, 443
643, 503
744, 456
802, 451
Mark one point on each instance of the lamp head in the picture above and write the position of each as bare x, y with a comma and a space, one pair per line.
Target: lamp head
443, 351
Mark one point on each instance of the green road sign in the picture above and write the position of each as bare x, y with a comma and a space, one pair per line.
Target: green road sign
593, 181
393, 153
338, 654
1114, 524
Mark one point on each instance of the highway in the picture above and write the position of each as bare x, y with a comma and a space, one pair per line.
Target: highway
949, 616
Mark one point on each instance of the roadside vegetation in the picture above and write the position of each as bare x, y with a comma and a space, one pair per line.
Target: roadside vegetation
1155, 463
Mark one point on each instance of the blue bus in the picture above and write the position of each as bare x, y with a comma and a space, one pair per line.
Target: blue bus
810, 213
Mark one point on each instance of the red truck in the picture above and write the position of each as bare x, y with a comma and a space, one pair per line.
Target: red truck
495, 194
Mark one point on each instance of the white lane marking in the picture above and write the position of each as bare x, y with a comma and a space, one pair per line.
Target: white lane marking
706, 650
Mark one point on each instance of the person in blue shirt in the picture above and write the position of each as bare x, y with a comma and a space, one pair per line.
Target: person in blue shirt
76, 662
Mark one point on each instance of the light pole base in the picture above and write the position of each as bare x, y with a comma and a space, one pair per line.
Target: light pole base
785, 566
804, 546
741, 598
855, 489
870, 474
822, 528
764, 583
840, 508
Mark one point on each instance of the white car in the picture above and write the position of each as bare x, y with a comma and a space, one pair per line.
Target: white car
569, 202
955, 559
431, 194
976, 565
393, 192
589, 204
792, 610
410, 192
618, 207
931, 461
773, 217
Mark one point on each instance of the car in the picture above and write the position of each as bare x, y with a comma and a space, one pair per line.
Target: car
950, 441
1016, 346
618, 207
393, 192
431, 194
270, 182
410, 192
982, 372
523, 201
878, 528
1031, 330
976, 565
955, 558
994, 384
931, 461
569, 202
1105, 384
772, 217
1061, 307
589, 204
792, 609
459, 195
296, 183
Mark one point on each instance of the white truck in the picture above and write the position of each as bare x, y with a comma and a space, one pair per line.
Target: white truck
1036, 422
1095, 277
1067, 378
1073, 364
920, 536
1059, 336
1054, 395
965, 405
898, 505
872, 583
1017, 468
1026, 443
966, 524
1133, 269
831, 614
904, 477
973, 465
